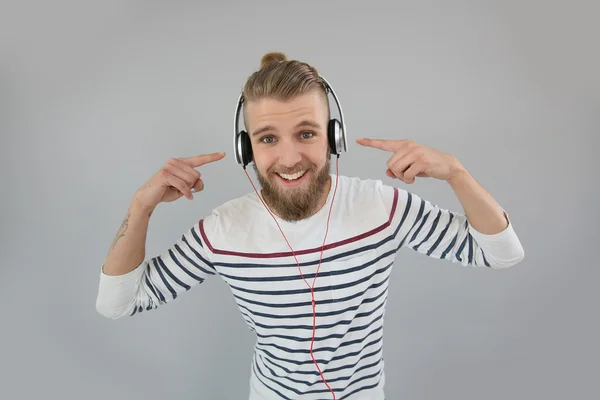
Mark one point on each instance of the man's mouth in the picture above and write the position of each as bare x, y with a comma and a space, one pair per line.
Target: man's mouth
292, 177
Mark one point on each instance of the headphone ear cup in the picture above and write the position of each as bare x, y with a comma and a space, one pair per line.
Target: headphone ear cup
334, 130
246, 148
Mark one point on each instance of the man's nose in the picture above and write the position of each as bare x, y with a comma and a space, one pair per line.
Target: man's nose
289, 154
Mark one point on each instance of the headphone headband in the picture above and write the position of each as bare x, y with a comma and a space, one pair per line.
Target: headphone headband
336, 130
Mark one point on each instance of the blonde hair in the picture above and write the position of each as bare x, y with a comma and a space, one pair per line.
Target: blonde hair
282, 79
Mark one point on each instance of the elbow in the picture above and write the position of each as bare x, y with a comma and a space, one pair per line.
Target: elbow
108, 310
516, 256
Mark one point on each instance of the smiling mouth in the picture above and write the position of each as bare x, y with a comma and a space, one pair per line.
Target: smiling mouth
292, 177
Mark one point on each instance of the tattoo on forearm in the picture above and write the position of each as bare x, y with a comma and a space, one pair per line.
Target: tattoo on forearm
122, 230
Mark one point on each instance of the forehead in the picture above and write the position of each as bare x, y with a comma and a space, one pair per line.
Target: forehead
280, 114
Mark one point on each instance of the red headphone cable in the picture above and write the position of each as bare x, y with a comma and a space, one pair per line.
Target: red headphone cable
318, 267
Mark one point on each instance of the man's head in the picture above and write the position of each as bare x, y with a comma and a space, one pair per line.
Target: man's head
286, 112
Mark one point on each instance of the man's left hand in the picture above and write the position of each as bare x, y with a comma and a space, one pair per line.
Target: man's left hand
411, 159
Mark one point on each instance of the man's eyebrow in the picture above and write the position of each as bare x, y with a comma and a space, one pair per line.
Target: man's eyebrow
305, 122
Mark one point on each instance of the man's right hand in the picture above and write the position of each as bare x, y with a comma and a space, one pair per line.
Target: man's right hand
175, 179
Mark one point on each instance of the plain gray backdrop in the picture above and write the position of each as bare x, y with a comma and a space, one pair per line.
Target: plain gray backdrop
96, 96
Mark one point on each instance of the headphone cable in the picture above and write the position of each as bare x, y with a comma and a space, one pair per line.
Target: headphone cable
311, 287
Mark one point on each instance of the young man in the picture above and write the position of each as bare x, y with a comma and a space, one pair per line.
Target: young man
308, 256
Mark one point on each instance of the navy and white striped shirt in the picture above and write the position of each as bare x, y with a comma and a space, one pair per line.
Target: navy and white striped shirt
240, 242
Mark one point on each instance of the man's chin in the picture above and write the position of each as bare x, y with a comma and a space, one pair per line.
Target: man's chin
294, 199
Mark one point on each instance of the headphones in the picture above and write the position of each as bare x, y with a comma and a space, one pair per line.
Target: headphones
336, 132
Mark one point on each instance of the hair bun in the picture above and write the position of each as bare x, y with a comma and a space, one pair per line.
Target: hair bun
271, 58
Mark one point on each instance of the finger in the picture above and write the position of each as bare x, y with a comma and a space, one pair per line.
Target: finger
386, 145
180, 185
398, 155
183, 171
196, 161
401, 163
389, 173
414, 170
198, 186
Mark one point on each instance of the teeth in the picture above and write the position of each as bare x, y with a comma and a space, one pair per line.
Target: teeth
292, 177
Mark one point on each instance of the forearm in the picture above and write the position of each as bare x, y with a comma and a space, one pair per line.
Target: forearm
481, 209
128, 248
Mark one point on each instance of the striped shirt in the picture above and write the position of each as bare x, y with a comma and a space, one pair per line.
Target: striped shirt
240, 242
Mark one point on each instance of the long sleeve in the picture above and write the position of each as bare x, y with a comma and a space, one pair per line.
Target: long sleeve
156, 281
443, 234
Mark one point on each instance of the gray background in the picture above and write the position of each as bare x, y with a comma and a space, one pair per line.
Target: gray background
96, 96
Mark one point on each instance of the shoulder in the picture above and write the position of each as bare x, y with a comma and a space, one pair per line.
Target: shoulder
231, 215
382, 200
361, 185
363, 191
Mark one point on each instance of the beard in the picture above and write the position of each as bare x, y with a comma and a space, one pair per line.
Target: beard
297, 203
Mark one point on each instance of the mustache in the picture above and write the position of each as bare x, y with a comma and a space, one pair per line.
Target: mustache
291, 171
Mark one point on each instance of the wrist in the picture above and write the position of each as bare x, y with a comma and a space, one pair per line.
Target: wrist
138, 206
458, 173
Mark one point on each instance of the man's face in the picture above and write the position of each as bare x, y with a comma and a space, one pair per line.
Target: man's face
291, 152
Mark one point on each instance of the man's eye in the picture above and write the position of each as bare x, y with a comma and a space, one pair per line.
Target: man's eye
307, 135
267, 139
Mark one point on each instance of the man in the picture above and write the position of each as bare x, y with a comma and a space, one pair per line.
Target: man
307, 259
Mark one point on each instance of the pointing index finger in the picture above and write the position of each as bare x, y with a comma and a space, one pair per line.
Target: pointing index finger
197, 161
382, 144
